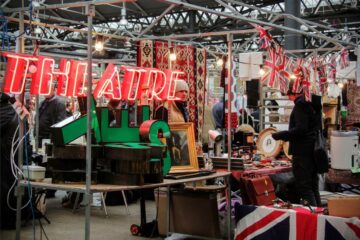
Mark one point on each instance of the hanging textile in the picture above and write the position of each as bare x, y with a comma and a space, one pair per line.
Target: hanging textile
332, 69
185, 62
201, 83
353, 98
145, 56
344, 58
233, 114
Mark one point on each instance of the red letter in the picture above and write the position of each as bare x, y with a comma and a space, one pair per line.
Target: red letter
133, 80
109, 84
63, 78
16, 70
43, 78
170, 83
77, 79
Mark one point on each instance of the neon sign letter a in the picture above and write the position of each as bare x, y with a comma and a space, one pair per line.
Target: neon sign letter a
109, 84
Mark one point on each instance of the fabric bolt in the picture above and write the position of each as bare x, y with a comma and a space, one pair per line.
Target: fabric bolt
353, 98
200, 85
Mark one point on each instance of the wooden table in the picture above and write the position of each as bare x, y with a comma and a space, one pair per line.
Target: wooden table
80, 188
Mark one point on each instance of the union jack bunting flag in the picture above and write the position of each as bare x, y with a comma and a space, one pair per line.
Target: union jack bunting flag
262, 223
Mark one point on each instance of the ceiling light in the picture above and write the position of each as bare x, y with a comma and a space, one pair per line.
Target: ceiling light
37, 30
340, 85
172, 56
99, 46
254, 46
220, 62
123, 21
261, 72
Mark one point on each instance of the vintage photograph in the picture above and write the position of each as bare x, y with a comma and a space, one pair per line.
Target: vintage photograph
182, 148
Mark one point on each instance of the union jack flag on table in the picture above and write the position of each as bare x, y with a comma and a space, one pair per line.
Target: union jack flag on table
259, 223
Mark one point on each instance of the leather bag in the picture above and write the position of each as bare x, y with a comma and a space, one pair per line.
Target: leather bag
320, 154
257, 190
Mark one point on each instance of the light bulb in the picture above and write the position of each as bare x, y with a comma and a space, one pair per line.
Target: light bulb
261, 72
99, 46
292, 76
340, 85
123, 21
172, 56
220, 62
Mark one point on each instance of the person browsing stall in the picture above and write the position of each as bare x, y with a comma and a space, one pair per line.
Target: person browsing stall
52, 110
304, 121
175, 111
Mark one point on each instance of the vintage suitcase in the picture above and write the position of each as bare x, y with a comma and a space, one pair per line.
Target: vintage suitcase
257, 190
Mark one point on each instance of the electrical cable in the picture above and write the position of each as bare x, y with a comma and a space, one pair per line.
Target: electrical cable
15, 169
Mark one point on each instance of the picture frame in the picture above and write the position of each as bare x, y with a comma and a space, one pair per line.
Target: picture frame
182, 148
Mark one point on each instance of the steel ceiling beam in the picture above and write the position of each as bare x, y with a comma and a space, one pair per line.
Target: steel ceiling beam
171, 7
68, 5
67, 28
232, 16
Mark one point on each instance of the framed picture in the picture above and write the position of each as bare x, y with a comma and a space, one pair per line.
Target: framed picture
182, 148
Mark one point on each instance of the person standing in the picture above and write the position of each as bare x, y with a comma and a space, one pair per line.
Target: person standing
303, 124
52, 110
218, 114
175, 111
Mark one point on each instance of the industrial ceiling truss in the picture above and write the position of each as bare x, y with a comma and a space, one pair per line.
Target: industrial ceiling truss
60, 25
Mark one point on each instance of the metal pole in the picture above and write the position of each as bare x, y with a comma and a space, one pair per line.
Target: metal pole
230, 79
90, 13
19, 188
292, 40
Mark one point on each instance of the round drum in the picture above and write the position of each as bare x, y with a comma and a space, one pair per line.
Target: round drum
286, 150
267, 145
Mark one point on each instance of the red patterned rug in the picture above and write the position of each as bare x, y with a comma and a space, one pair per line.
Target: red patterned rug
184, 62
145, 56
200, 85
353, 98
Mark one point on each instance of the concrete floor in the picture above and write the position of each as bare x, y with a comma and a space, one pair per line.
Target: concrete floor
66, 225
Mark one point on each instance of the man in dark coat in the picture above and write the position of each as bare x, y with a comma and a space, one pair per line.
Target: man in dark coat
51, 111
305, 119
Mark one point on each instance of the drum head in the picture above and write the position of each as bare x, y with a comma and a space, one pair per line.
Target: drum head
286, 150
267, 145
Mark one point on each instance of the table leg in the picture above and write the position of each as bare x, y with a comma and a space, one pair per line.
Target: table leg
19, 192
228, 204
168, 210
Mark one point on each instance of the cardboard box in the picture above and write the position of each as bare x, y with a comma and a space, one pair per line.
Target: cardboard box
347, 206
35, 173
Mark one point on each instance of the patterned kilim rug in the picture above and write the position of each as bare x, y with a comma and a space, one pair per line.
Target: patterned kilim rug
145, 56
200, 84
353, 98
185, 62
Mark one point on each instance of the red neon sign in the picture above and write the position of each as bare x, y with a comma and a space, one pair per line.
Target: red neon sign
72, 75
